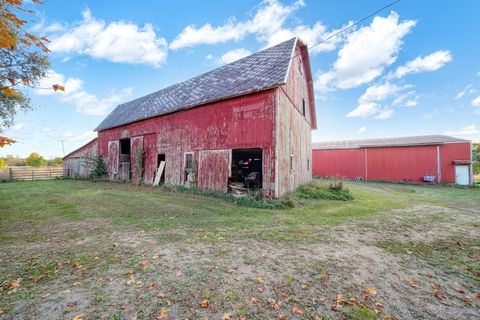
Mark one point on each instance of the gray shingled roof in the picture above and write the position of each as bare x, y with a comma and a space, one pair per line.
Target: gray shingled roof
387, 142
259, 71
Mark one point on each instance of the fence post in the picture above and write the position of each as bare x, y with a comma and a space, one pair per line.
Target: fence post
32, 175
50, 174
11, 174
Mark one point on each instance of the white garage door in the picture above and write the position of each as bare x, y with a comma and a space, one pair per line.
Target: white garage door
462, 174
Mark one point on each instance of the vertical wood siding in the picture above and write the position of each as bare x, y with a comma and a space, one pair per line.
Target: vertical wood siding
241, 122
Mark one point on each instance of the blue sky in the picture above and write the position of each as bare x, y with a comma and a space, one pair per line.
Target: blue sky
413, 69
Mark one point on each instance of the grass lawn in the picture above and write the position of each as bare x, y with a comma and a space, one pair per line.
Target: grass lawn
117, 251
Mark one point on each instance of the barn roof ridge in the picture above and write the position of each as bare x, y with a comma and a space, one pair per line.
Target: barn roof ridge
436, 139
259, 71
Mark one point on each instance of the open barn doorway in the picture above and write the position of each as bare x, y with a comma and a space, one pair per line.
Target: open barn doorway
246, 170
124, 171
160, 159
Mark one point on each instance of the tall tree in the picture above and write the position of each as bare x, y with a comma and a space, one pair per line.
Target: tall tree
23, 59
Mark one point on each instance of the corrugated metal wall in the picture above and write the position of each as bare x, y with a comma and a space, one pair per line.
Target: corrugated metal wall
401, 163
391, 163
342, 163
450, 152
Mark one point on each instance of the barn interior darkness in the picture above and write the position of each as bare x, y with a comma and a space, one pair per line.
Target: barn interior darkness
124, 161
247, 167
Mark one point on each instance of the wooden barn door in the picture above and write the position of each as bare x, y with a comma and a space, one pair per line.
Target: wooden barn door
113, 158
137, 165
214, 169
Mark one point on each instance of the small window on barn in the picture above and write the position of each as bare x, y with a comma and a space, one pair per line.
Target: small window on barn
291, 162
303, 107
300, 65
308, 164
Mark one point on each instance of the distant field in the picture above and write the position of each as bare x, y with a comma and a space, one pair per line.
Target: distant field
118, 251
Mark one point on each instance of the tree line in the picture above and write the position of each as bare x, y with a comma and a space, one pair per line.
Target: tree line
33, 160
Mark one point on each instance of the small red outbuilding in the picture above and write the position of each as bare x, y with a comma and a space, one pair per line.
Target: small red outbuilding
433, 158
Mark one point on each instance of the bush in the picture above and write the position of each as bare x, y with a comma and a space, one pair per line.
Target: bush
3, 164
335, 191
35, 160
99, 170
476, 168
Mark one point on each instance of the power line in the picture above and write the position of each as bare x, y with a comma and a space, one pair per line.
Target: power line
333, 35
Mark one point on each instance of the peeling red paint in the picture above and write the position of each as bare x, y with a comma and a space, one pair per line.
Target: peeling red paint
272, 120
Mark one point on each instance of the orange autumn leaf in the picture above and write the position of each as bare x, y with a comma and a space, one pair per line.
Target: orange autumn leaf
10, 92
297, 310
226, 316
372, 291
204, 304
273, 304
163, 314
5, 141
414, 283
57, 87
282, 317
145, 264
77, 265
340, 299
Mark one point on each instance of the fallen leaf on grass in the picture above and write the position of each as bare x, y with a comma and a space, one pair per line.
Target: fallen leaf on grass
468, 299
260, 289
445, 303
178, 274
340, 299
145, 264
273, 304
305, 286
254, 300
161, 295
414, 283
226, 316
324, 277
260, 280
297, 310
77, 265
155, 257
282, 317
2, 311
153, 285
204, 304
372, 291
79, 317
163, 314
352, 300
478, 295
437, 294
231, 270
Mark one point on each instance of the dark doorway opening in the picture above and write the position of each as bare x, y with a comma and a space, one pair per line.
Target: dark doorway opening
247, 167
160, 158
124, 161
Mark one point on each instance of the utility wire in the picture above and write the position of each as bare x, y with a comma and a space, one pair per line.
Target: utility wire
333, 35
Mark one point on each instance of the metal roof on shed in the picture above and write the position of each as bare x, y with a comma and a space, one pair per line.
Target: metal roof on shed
259, 71
387, 142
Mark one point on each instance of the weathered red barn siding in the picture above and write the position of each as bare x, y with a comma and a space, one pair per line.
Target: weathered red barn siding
450, 152
402, 163
294, 130
241, 122
341, 163
77, 162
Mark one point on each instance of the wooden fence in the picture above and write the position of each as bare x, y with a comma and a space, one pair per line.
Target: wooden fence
32, 173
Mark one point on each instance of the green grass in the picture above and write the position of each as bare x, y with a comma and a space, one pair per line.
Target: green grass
453, 255
44, 202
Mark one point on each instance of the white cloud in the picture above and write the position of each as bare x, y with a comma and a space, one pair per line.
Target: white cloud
366, 53
467, 89
431, 62
476, 102
110, 41
18, 126
234, 55
362, 130
467, 130
267, 24
83, 101
411, 103
369, 106
83, 137
380, 92
371, 110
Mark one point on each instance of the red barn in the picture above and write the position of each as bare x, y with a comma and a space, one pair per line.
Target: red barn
249, 122
433, 158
